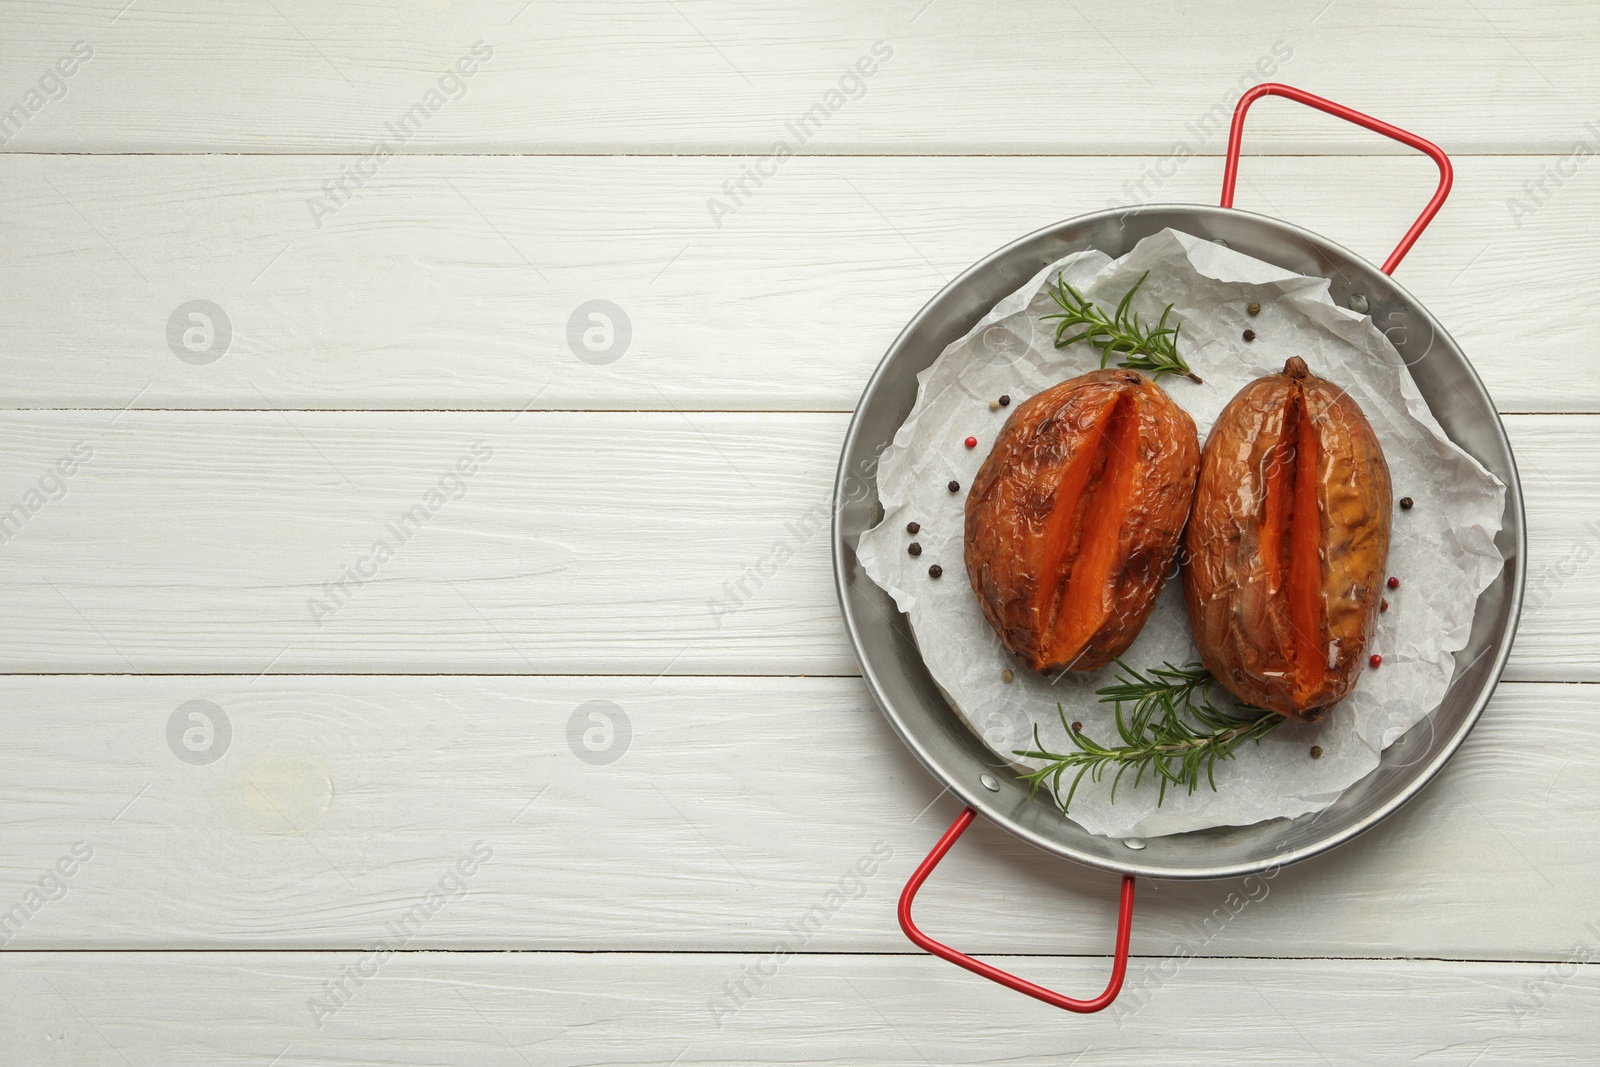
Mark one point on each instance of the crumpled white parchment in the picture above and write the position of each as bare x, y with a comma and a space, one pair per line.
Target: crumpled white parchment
1443, 549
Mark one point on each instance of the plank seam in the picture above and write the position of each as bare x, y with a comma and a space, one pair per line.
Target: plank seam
716, 953
819, 154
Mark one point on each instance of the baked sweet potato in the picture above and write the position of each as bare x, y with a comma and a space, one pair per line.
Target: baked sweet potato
1288, 543
1075, 517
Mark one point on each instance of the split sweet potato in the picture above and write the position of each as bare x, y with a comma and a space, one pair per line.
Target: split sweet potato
1075, 517
1288, 543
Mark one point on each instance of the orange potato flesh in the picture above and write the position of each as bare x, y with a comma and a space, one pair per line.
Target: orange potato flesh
1305, 563
1085, 599
1063, 532
1277, 501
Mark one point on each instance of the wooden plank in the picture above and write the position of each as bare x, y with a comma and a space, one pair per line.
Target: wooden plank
716, 75
456, 283
603, 543
559, 1009
697, 814
256, 541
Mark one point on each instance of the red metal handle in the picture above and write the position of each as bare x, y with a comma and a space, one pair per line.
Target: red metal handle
1446, 175
1118, 969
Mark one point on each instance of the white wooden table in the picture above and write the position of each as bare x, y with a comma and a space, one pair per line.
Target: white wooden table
383, 509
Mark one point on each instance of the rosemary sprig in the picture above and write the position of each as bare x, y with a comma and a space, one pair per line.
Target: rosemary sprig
1173, 731
1153, 348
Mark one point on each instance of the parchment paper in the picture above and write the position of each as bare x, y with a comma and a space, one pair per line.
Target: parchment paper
1442, 549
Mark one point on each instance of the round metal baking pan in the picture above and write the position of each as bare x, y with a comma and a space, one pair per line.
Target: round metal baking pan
900, 683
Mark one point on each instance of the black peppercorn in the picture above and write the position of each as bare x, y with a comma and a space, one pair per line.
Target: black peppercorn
955, 486
913, 527
935, 570
1249, 335
1077, 727
1005, 401
914, 548
1405, 503
1316, 751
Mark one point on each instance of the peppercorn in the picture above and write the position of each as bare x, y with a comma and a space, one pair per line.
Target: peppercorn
994, 405
1394, 583
955, 486
1316, 751
1253, 307
1077, 727
1376, 661
914, 548
913, 527
1249, 335
1006, 675
935, 571
1405, 503
1005, 401
971, 442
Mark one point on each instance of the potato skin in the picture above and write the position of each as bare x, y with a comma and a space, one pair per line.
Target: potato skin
1238, 611
1021, 548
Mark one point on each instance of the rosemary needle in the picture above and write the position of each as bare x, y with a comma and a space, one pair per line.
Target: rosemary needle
1173, 731
1153, 348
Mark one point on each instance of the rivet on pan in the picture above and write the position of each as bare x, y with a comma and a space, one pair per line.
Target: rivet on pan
1358, 304
989, 782
1134, 843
